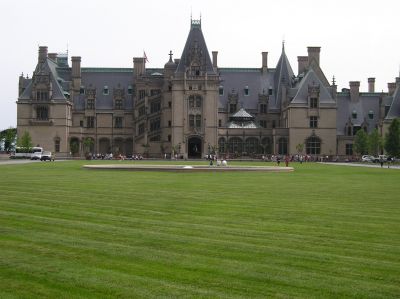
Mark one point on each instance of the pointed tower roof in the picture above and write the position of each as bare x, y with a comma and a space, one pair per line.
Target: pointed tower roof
394, 110
195, 51
283, 75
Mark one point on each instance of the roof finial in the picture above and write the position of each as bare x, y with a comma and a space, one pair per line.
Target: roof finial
283, 45
333, 80
170, 56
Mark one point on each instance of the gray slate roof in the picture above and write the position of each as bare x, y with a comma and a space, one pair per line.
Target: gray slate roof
311, 79
195, 40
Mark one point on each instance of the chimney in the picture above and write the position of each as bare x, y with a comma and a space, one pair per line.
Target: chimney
139, 65
42, 54
313, 54
53, 56
215, 59
391, 88
354, 91
371, 84
264, 63
76, 73
302, 62
76, 66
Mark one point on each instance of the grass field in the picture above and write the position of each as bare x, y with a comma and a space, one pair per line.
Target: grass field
320, 232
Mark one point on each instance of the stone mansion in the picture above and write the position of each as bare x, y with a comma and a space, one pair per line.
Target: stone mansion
192, 107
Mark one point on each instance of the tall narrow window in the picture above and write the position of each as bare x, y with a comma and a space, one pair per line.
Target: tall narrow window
90, 122
313, 122
57, 145
349, 149
198, 121
246, 91
221, 90
191, 120
313, 103
142, 94
354, 114
42, 95
105, 90
42, 113
118, 122
263, 108
118, 104
90, 104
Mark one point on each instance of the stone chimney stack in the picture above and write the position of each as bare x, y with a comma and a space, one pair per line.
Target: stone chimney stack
303, 63
42, 54
52, 56
313, 54
76, 66
139, 65
371, 84
264, 63
76, 72
215, 59
354, 91
391, 88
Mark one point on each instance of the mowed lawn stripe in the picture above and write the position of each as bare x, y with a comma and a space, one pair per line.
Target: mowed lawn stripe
211, 235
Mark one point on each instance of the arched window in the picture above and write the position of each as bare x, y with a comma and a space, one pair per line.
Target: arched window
282, 146
313, 145
266, 145
221, 145
252, 145
235, 145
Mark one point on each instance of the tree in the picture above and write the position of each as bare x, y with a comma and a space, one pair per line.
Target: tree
7, 139
392, 139
88, 146
361, 142
374, 143
300, 148
25, 142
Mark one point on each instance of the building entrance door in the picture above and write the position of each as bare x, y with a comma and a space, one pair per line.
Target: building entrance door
194, 148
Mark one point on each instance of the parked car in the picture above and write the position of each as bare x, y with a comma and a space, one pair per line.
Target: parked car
47, 156
36, 156
368, 158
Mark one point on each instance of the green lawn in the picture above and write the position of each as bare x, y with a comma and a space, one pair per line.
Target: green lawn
319, 232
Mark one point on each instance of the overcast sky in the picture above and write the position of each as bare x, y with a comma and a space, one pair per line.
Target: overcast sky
358, 39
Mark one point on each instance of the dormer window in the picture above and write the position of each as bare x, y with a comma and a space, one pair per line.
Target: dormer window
42, 95
105, 90
354, 114
130, 90
313, 103
270, 91
221, 90
246, 91
371, 114
82, 90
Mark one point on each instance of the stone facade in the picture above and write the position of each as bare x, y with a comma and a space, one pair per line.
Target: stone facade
192, 107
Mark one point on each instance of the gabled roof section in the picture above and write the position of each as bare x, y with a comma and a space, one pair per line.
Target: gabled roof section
195, 51
283, 76
311, 79
394, 110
